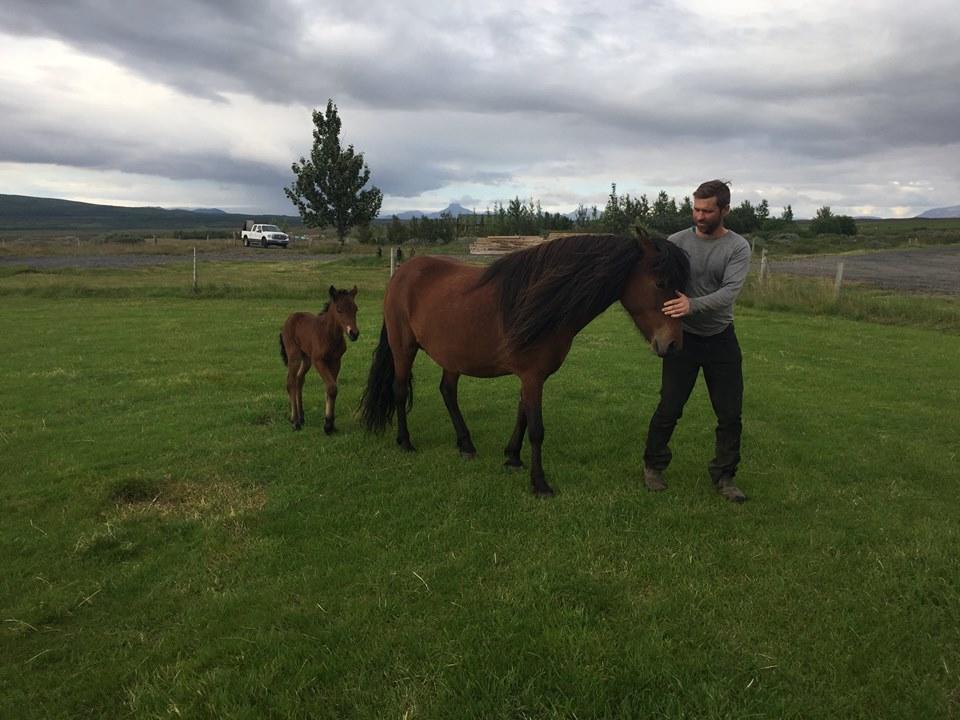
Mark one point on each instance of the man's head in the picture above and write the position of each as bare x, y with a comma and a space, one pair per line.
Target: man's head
711, 203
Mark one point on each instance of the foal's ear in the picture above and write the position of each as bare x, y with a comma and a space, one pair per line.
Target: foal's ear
353, 293
333, 292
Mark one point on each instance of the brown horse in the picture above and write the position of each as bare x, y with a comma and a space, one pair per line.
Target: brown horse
519, 316
318, 340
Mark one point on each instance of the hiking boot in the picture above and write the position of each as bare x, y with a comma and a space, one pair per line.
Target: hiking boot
726, 487
653, 479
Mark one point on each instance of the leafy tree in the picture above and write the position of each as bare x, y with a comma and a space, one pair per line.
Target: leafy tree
328, 188
643, 207
743, 218
582, 216
827, 223
763, 211
396, 231
615, 220
787, 215
661, 206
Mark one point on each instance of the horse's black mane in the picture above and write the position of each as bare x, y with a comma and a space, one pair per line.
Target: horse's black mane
570, 280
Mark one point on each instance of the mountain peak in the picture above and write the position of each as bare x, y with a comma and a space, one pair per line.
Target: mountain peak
945, 212
453, 210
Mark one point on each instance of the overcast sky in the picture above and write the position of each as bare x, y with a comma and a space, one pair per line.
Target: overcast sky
207, 103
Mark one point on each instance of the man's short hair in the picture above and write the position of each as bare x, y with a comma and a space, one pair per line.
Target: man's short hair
720, 189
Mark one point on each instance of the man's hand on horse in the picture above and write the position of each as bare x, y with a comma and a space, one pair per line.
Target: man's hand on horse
678, 307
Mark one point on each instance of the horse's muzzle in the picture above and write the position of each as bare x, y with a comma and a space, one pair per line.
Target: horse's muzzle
353, 333
665, 349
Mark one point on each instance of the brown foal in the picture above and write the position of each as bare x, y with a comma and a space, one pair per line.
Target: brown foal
308, 339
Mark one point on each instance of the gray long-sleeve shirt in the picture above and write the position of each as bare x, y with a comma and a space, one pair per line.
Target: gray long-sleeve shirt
718, 268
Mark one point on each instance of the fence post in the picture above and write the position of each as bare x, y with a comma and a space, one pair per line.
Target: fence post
763, 265
838, 281
194, 269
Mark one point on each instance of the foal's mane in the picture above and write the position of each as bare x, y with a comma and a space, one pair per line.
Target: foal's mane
570, 280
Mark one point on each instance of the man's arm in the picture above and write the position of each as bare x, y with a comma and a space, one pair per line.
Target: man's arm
734, 275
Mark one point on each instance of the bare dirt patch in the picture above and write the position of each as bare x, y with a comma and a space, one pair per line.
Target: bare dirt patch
216, 499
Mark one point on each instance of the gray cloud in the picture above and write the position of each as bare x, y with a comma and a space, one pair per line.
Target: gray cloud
484, 96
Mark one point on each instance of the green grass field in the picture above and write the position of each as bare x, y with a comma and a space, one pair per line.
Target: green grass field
172, 549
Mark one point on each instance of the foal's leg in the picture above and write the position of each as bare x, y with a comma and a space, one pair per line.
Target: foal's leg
294, 387
532, 393
329, 372
302, 369
448, 389
512, 451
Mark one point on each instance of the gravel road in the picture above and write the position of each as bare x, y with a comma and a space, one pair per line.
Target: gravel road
930, 269
133, 260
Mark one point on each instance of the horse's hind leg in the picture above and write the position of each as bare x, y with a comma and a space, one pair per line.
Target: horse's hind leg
302, 367
294, 387
512, 451
448, 389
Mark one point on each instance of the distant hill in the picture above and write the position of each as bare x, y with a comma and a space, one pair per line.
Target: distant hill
21, 213
945, 212
204, 211
453, 210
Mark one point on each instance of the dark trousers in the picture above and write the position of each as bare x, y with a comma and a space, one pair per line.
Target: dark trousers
719, 357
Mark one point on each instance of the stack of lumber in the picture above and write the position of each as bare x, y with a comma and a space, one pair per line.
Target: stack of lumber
503, 244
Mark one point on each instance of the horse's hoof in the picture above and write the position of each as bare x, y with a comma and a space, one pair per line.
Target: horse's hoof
543, 493
513, 464
329, 430
296, 427
406, 446
468, 454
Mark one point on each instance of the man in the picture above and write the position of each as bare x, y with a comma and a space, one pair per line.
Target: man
719, 261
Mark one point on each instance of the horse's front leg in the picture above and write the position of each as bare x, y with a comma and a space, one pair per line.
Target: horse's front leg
512, 451
532, 398
448, 389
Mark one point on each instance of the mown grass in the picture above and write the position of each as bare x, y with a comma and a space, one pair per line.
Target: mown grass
171, 548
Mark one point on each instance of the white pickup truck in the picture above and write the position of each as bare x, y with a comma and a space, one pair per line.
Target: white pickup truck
263, 235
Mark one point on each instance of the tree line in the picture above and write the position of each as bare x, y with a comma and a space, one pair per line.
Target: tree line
328, 190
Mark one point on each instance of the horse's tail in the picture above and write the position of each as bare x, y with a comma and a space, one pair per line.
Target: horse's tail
283, 350
377, 404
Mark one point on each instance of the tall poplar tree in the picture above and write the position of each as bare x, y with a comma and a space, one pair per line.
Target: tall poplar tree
328, 187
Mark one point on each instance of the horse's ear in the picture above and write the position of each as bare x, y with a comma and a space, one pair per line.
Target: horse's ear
353, 293
645, 243
333, 292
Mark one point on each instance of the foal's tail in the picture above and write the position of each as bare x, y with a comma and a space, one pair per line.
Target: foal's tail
377, 404
283, 350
